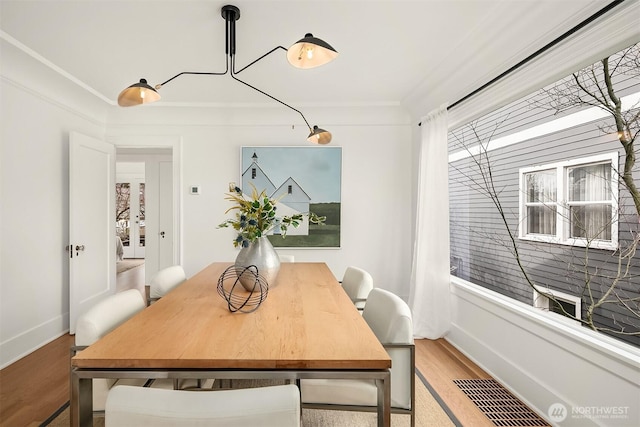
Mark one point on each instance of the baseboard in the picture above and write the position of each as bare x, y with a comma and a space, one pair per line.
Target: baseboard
21, 345
545, 362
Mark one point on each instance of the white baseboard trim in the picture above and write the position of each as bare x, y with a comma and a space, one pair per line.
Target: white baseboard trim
546, 362
15, 348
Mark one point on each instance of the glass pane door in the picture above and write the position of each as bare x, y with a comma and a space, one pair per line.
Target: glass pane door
140, 218
130, 217
123, 211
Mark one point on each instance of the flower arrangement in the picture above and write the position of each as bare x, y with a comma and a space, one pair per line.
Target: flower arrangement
256, 216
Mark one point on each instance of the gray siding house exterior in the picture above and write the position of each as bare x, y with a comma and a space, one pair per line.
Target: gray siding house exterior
481, 248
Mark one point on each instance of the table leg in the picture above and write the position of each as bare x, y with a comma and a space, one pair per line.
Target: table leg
384, 400
81, 401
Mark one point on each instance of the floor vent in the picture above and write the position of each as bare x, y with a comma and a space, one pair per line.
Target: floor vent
498, 404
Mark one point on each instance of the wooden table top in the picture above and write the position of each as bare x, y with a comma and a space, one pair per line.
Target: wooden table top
306, 322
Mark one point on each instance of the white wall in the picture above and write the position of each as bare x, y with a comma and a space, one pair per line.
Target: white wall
37, 117
39, 109
376, 178
545, 359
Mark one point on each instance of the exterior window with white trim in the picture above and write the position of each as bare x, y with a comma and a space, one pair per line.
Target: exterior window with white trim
541, 197
564, 303
590, 201
572, 202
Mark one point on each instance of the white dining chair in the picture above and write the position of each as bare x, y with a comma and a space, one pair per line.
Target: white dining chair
389, 317
357, 283
99, 320
272, 406
160, 284
164, 281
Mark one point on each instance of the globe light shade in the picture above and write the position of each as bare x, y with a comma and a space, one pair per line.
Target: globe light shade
138, 93
310, 52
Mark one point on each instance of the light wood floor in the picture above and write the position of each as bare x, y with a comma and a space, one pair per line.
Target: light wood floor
34, 387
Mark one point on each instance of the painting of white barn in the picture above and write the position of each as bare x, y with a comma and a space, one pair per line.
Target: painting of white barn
302, 180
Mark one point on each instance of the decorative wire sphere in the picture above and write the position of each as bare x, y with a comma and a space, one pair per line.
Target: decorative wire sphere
239, 299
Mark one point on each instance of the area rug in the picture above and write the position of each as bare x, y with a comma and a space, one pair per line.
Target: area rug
128, 264
429, 412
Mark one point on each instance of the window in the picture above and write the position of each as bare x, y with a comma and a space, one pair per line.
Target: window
589, 201
290, 189
541, 202
572, 202
253, 173
546, 169
569, 303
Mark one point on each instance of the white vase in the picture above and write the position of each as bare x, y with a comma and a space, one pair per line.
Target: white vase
261, 254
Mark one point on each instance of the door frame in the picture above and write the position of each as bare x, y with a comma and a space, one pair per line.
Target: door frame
149, 143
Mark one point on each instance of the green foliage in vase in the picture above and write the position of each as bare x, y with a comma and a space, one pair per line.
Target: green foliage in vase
256, 216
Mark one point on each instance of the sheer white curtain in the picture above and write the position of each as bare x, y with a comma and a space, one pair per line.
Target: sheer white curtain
430, 295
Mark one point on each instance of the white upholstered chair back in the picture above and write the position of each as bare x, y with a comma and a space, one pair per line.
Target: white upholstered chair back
389, 318
165, 280
274, 406
98, 321
357, 283
107, 315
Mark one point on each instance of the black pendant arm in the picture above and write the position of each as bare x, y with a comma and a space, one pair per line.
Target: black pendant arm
274, 98
233, 71
199, 73
191, 73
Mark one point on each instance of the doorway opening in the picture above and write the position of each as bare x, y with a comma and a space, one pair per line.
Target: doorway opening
144, 212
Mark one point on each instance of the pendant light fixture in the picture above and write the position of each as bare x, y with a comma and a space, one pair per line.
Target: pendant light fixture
138, 93
319, 136
308, 52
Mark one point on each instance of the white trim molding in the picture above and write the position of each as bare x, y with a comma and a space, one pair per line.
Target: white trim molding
610, 33
19, 346
547, 362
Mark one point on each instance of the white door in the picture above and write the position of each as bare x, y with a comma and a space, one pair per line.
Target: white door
165, 215
92, 264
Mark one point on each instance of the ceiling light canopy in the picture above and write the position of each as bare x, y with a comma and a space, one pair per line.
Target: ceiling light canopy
308, 52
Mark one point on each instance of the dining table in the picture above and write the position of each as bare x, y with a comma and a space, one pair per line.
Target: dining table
305, 328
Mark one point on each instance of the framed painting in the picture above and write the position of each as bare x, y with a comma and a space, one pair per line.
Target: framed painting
302, 180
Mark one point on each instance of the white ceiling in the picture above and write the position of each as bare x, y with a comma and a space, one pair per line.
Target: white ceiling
389, 50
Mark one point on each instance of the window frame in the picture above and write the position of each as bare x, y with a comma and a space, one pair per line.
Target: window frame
541, 300
563, 207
